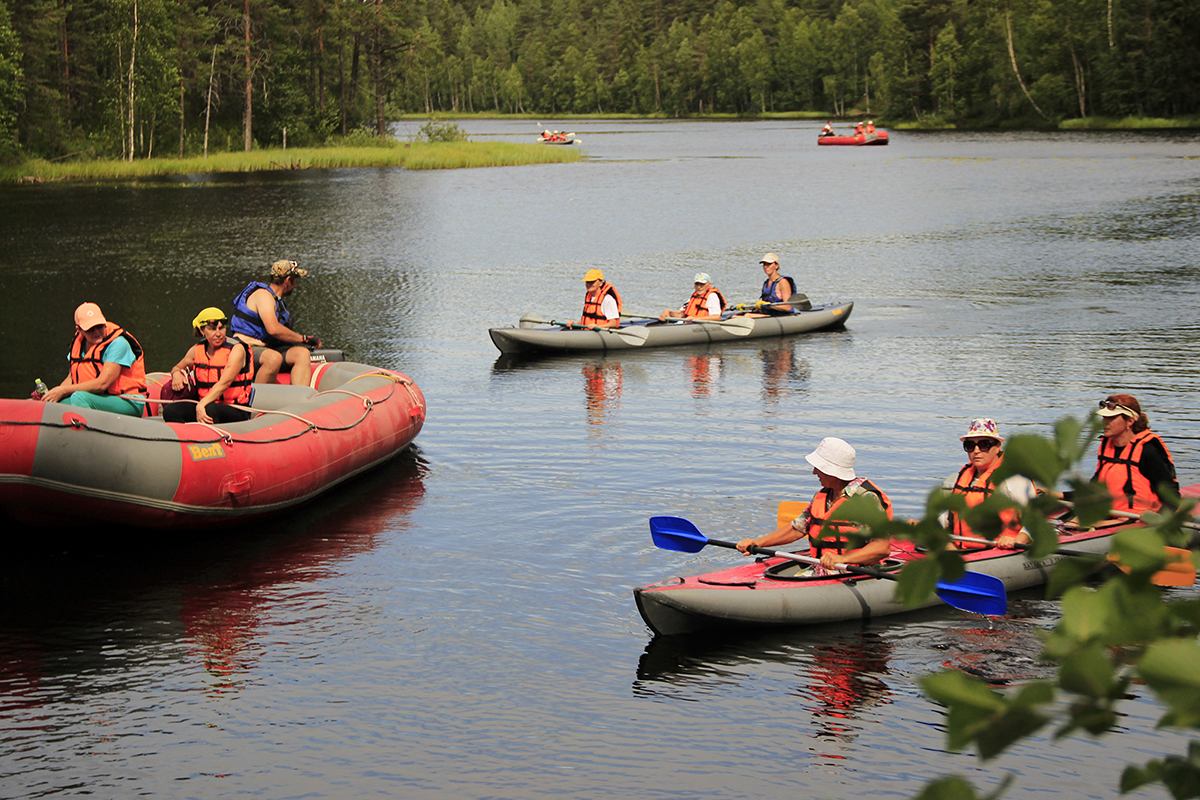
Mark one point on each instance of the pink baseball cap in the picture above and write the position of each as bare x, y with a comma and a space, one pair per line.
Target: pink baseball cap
88, 316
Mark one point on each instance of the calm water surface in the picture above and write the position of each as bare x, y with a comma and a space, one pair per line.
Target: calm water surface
459, 623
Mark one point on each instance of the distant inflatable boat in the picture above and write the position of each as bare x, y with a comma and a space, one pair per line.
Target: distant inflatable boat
861, 140
63, 465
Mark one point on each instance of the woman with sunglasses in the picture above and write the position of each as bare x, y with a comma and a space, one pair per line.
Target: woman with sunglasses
1133, 462
224, 374
974, 482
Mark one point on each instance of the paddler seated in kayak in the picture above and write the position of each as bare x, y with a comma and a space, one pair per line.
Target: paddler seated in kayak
601, 303
1133, 462
775, 289
262, 320
108, 368
833, 464
982, 444
222, 370
706, 302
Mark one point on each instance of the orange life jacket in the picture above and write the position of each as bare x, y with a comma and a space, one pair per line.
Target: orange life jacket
976, 488
208, 372
1121, 474
87, 362
870, 129
592, 315
826, 535
696, 306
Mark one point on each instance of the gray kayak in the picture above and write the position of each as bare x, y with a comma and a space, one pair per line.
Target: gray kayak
775, 593
559, 340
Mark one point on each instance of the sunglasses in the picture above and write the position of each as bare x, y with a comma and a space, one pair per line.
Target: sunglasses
1112, 405
979, 444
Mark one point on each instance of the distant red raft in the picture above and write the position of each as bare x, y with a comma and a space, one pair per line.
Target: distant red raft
62, 465
861, 140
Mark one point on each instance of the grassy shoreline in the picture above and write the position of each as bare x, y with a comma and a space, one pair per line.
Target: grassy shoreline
414, 155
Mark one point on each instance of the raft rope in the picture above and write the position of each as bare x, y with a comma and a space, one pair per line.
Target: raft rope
228, 437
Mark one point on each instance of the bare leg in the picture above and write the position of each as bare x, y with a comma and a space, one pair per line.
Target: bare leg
301, 365
270, 362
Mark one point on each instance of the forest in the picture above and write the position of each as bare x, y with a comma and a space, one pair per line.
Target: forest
141, 78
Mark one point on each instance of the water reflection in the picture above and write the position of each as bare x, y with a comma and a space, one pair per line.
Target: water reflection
844, 679
223, 592
836, 672
602, 385
783, 375
705, 373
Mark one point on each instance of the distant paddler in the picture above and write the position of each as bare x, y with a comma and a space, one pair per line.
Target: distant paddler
706, 302
601, 302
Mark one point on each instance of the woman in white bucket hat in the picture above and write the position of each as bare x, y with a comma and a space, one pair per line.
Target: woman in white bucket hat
833, 464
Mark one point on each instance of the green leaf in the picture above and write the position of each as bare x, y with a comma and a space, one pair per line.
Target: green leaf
918, 580
1172, 669
1137, 777
1031, 456
1087, 671
1140, 549
1015, 724
949, 787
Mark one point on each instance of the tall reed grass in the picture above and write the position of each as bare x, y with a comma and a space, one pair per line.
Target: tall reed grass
415, 155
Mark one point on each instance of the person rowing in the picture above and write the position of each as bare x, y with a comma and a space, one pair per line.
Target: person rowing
833, 464
601, 302
1133, 463
706, 302
828, 129
775, 289
982, 443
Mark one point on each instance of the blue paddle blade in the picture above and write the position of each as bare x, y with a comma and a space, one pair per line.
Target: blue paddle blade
975, 592
676, 533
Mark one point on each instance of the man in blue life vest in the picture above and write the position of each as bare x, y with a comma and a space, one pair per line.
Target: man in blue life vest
262, 320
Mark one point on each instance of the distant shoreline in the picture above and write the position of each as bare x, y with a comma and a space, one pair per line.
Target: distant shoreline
881, 121
413, 155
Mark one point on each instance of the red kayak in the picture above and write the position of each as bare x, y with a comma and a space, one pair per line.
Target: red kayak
861, 140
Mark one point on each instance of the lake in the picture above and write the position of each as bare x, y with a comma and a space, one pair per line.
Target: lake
459, 623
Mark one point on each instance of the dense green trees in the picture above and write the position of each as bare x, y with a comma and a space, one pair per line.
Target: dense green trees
139, 77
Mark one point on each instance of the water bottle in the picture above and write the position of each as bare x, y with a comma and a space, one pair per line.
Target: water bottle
41, 387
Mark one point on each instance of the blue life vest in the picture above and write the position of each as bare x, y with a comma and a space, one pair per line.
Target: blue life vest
247, 322
769, 295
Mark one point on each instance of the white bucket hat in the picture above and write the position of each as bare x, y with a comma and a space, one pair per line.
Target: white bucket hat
833, 457
982, 428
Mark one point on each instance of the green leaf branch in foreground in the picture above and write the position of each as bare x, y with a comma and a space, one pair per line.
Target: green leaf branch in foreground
1116, 631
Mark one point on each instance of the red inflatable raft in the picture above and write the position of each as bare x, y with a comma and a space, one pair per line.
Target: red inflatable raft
861, 140
64, 465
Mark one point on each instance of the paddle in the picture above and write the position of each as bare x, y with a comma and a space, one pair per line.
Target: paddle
797, 299
973, 592
635, 336
738, 326
1178, 572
